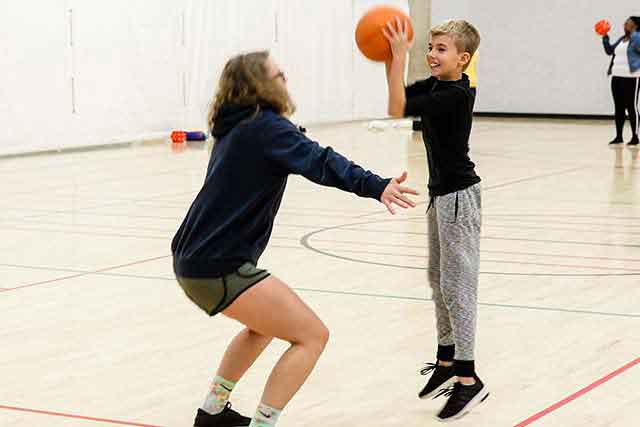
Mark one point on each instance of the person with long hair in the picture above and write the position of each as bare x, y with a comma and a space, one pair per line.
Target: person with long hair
217, 247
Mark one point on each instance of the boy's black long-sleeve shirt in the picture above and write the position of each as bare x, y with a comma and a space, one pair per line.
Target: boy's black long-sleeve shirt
446, 111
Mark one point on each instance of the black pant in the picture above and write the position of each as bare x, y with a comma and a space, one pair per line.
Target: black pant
625, 98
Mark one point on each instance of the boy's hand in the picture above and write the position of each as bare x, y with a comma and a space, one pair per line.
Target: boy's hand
394, 193
397, 33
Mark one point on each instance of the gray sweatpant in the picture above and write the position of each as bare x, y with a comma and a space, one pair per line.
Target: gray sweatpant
453, 223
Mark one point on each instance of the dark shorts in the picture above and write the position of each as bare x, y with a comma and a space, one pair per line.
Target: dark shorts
216, 294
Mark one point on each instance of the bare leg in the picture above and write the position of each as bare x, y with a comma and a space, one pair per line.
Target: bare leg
272, 309
241, 354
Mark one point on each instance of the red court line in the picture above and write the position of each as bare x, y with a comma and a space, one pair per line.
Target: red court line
578, 394
77, 417
59, 279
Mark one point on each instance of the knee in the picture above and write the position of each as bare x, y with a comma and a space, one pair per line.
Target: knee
324, 336
317, 337
254, 335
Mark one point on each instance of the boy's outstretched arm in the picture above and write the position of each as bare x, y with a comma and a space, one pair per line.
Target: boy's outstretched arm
397, 33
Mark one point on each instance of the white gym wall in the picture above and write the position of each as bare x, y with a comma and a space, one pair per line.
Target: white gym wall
88, 72
541, 56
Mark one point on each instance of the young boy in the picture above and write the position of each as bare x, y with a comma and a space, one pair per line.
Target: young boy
444, 102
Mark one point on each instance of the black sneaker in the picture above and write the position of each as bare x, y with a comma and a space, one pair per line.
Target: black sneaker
462, 399
227, 418
634, 141
442, 377
616, 141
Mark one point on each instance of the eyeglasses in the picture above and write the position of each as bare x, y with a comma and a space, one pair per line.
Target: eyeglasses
281, 76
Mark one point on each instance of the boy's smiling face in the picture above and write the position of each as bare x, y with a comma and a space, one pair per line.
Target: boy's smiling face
444, 59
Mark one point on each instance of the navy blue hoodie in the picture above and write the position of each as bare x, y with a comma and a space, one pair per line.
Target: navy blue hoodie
231, 219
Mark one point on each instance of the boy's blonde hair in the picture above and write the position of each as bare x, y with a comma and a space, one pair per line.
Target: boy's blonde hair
465, 36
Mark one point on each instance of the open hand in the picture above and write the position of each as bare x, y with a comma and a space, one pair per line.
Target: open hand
397, 33
394, 193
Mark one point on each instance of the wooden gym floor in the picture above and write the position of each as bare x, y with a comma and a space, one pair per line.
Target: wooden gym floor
95, 331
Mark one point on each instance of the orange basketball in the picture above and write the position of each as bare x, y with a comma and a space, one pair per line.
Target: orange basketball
602, 27
369, 36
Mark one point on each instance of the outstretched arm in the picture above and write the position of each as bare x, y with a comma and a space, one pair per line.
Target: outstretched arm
397, 33
294, 153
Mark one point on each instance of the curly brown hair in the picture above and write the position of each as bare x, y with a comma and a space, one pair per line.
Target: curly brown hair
245, 80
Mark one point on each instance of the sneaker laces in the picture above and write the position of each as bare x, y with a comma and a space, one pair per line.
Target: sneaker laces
446, 391
428, 368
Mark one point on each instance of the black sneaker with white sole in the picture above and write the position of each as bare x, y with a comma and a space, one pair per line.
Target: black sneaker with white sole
442, 376
462, 399
227, 418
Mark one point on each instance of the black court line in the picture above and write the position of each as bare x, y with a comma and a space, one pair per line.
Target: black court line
334, 255
73, 276
543, 227
41, 268
399, 245
86, 233
104, 234
483, 273
512, 306
18, 228
99, 272
44, 212
95, 180
572, 242
111, 227
371, 295
339, 213
102, 272
500, 185
305, 241
113, 203
532, 178
425, 257
614, 245
137, 200
69, 161
537, 221
564, 215
417, 220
